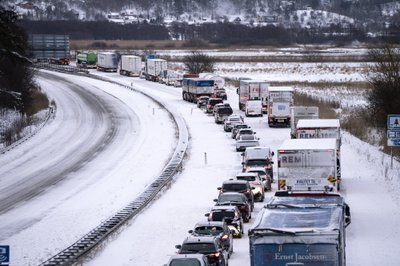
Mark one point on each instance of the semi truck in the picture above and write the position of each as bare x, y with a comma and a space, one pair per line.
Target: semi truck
300, 230
280, 100
86, 59
301, 112
50, 48
154, 68
321, 129
253, 90
308, 165
107, 62
130, 65
193, 88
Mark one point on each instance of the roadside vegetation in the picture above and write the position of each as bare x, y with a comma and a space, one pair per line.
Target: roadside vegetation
20, 97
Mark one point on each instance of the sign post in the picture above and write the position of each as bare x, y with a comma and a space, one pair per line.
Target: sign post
393, 134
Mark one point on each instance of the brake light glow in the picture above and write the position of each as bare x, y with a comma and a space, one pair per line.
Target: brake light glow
224, 237
242, 208
268, 167
216, 254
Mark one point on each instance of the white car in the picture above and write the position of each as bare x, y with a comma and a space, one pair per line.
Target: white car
231, 121
188, 259
245, 141
244, 131
265, 177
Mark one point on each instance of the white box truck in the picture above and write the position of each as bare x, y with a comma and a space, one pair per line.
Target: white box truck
130, 65
107, 61
280, 100
308, 165
154, 68
301, 112
250, 90
193, 88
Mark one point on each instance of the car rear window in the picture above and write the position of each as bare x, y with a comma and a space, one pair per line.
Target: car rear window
247, 131
185, 262
225, 110
209, 230
258, 162
214, 102
234, 187
248, 137
232, 198
246, 177
221, 215
198, 247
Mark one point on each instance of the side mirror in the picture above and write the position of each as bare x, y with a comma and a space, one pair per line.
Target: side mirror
242, 154
254, 132
271, 162
219, 188
207, 214
272, 153
347, 221
215, 200
178, 246
190, 231
243, 163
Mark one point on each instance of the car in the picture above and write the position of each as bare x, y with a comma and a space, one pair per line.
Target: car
219, 229
240, 186
236, 127
266, 163
244, 131
246, 141
207, 245
265, 177
231, 120
253, 108
220, 93
188, 260
211, 103
231, 215
202, 101
256, 183
236, 199
222, 112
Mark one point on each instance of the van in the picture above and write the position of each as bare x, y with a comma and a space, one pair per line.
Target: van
253, 108
258, 157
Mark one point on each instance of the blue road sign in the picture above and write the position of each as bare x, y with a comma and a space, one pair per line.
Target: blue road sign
393, 122
393, 142
4, 255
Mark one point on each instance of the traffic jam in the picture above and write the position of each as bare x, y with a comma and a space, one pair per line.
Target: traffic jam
304, 222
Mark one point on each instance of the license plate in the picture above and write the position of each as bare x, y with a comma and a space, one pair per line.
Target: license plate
281, 120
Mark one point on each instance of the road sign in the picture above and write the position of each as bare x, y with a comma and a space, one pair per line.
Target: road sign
393, 134
393, 142
393, 122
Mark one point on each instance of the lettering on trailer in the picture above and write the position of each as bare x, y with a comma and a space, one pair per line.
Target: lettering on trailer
4, 255
290, 159
299, 257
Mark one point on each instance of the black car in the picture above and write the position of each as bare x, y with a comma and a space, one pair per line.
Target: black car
211, 103
207, 245
236, 199
240, 186
218, 229
222, 113
231, 215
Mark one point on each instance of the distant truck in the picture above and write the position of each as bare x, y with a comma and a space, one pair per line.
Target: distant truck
130, 65
308, 165
253, 90
280, 100
50, 48
193, 88
107, 62
300, 230
154, 68
301, 112
219, 82
86, 59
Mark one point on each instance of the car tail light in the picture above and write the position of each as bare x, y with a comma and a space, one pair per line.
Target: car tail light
216, 254
243, 208
224, 237
268, 167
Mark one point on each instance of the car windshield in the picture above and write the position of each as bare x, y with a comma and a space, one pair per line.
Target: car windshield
221, 215
198, 247
208, 230
258, 162
185, 262
230, 198
235, 187
246, 177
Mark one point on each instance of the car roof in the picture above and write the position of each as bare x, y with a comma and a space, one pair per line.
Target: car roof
199, 239
257, 168
225, 208
187, 256
245, 129
233, 181
247, 174
210, 223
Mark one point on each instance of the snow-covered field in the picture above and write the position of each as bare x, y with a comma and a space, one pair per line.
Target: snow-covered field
370, 185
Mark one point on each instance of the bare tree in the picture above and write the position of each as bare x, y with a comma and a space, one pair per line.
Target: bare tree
384, 77
198, 62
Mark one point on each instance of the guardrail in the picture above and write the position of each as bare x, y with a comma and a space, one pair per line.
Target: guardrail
83, 246
61, 68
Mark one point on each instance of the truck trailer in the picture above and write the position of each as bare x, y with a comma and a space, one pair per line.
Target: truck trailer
193, 88
107, 62
301, 112
130, 65
86, 59
154, 68
253, 90
50, 48
280, 100
300, 230
308, 165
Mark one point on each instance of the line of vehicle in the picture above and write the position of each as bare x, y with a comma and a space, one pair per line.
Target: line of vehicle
80, 248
